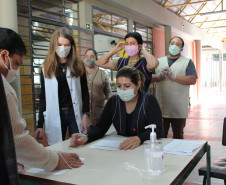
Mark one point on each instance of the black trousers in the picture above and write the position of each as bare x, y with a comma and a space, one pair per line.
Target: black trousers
177, 124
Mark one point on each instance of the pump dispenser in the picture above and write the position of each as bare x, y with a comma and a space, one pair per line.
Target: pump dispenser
153, 136
153, 152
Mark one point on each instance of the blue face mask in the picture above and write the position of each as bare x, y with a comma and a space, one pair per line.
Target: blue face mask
174, 50
126, 95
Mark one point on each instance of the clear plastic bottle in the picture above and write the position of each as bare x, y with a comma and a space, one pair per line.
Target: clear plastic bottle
153, 153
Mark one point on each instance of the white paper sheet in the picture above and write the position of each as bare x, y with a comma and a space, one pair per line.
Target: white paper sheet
109, 143
39, 170
182, 147
55, 172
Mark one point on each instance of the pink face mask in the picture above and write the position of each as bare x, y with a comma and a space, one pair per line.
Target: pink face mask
131, 50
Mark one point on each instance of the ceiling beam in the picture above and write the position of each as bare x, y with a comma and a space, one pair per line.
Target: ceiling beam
189, 3
189, 15
199, 13
202, 6
203, 22
183, 8
209, 21
214, 27
217, 18
217, 32
208, 17
163, 4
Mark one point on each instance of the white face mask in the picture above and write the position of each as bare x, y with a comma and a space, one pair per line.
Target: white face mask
12, 73
63, 51
126, 95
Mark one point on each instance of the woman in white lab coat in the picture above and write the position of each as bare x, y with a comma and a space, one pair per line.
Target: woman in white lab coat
64, 98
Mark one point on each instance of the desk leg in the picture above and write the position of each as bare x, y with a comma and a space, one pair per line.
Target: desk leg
208, 165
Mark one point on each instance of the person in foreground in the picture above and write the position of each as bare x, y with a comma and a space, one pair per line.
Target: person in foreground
28, 151
130, 111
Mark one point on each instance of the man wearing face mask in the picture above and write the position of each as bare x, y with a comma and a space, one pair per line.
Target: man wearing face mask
12, 73
98, 85
174, 75
28, 151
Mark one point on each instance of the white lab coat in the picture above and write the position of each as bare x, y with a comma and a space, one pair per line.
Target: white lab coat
52, 113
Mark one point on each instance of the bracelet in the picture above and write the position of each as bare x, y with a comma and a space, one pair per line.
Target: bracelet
64, 160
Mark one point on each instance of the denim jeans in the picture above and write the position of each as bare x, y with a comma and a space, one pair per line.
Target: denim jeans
68, 120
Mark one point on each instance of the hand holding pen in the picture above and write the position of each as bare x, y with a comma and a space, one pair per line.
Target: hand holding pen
78, 139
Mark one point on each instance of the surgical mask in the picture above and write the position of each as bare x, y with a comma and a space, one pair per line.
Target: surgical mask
126, 95
63, 51
12, 73
131, 50
90, 62
174, 50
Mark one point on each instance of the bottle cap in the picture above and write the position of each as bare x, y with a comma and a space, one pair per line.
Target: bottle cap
152, 134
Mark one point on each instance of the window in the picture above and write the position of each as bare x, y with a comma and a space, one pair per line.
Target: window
108, 22
146, 33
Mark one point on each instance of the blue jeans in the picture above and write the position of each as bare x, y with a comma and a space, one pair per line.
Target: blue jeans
68, 120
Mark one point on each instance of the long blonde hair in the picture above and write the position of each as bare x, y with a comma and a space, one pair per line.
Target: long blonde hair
73, 60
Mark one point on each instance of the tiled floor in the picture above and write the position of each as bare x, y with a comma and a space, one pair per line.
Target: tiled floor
205, 120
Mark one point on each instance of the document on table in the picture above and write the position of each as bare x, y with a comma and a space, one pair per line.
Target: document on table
39, 170
182, 147
108, 143
42, 171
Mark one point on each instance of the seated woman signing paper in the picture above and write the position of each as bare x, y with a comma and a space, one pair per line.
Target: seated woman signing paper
129, 111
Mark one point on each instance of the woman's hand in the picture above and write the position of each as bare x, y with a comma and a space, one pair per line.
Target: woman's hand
78, 139
119, 46
130, 143
85, 125
20, 168
39, 134
68, 160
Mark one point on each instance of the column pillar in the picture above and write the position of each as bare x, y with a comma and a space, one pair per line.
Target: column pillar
130, 25
8, 14
167, 38
198, 65
221, 69
8, 19
85, 14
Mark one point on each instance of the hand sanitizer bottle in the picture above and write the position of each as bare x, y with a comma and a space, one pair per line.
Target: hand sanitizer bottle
153, 153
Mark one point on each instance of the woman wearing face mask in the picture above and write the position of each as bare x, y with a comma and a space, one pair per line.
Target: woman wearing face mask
129, 111
98, 85
133, 47
64, 98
